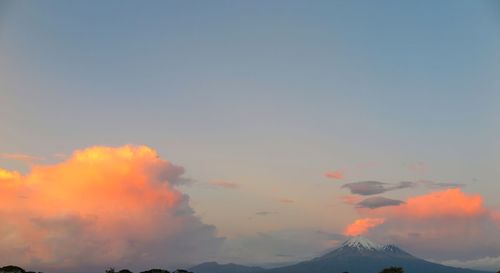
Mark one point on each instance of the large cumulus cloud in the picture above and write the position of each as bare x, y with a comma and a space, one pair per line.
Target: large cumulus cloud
103, 206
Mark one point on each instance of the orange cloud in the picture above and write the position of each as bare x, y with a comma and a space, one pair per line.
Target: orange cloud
361, 226
224, 184
451, 202
101, 206
335, 174
447, 224
447, 203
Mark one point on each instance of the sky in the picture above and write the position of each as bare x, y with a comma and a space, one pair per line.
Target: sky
252, 132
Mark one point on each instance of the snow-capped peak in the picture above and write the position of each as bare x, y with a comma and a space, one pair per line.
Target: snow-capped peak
360, 242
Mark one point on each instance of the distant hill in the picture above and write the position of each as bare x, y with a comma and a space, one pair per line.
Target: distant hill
213, 267
357, 255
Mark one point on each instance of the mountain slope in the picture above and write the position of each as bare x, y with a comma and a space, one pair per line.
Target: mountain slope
359, 255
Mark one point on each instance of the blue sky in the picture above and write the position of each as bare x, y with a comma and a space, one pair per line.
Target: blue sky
266, 95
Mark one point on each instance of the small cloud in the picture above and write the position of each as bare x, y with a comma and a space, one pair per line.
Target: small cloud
378, 202
376, 187
264, 213
28, 159
285, 200
224, 184
419, 167
433, 184
414, 235
366, 187
335, 174
351, 199
60, 155
361, 226
284, 255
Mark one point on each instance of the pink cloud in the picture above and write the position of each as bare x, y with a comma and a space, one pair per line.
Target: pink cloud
335, 174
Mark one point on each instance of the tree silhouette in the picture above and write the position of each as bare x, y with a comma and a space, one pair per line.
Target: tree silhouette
156, 271
12, 268
182, 271
110, 270
393, 269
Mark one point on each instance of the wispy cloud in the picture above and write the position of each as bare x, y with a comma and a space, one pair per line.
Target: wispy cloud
436, 185
419, 167
285, 200
224, 184
265, 213
378, 202
29, 159
376, 187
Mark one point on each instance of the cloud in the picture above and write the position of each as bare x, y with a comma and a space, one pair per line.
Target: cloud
375, 187
361, 226
335, 174
444, 224
351, 199
28, 159
103, 206
285, 200
264, 213
224, 184
378, 202
418, 167
450, 203
485, 263
437, 185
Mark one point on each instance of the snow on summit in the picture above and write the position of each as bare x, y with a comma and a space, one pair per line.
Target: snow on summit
360, 242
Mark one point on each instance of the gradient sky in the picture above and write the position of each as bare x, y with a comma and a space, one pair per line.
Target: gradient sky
270, 108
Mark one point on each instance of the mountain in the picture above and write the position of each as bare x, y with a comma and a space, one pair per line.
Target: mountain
360, 255
356, 255
213, 267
